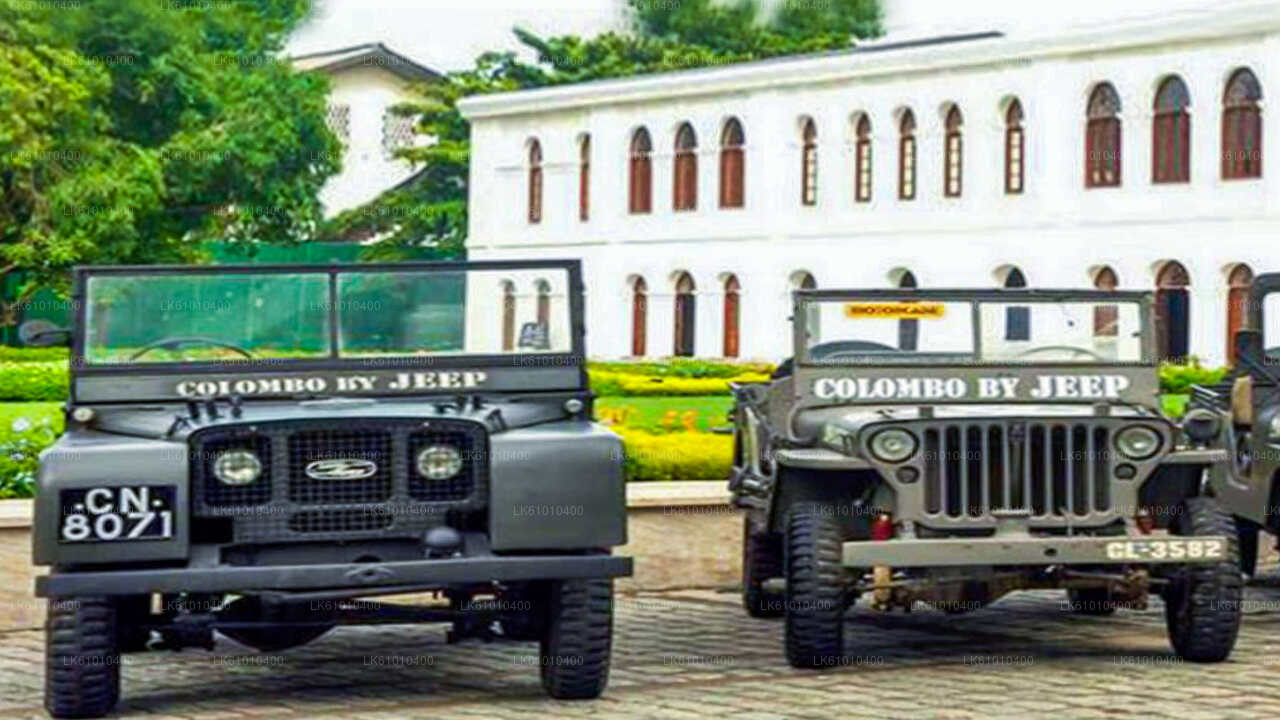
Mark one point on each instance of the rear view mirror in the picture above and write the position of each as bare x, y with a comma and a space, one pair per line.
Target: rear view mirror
42, 333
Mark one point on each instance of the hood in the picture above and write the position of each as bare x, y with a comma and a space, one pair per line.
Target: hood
829, 425
176, 422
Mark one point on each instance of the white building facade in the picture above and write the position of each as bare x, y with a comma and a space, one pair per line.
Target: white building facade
1130, 156
365, 82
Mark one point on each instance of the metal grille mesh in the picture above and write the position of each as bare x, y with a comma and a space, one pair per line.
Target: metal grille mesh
306, 448
1048, 469
288, 505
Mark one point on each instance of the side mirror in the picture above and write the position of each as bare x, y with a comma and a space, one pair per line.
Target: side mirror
42, 333
1248, 344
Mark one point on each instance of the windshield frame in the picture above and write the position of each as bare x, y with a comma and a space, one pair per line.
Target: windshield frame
574, 358
802, 298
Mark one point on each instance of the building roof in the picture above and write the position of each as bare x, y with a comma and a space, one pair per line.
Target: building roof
366, 55
872, 59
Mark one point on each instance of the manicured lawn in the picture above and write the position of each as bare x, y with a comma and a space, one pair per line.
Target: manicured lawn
665, 414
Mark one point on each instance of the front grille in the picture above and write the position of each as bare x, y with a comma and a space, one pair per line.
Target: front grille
1051, 470
306, 448
288, 503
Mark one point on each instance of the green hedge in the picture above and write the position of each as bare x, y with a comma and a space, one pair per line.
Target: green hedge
1178, 379
681, 368
675, 456
34, 381
613, 384
34, 354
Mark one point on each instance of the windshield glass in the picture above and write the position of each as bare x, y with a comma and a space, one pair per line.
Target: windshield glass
849, 330
235, 317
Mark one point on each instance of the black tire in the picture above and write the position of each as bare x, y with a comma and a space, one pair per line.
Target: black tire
1247, 535
1203, 602
1092, 601
523, 612
82, 657
578, 638
761, 560
817, 593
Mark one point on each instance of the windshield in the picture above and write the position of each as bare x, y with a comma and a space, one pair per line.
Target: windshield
204, 317
848, 330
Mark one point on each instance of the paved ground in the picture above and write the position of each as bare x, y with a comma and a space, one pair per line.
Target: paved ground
695, 654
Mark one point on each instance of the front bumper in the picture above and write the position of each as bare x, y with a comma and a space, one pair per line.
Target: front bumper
375, 576
1027, 550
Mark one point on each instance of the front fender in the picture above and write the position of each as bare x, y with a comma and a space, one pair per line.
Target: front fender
86, 459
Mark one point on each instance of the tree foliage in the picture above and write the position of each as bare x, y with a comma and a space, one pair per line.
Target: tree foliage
135, 129
430, 209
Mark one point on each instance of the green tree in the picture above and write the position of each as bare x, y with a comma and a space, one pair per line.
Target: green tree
431, 209
134, 130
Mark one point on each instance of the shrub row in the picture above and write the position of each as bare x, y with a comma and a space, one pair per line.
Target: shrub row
33, 354
34, 381
22, 436
613, 384
1178, 379
682, 368
675, 456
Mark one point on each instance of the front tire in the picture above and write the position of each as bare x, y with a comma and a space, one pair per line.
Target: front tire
761, 560
1203, 602
82, 657
578, 638
817, 595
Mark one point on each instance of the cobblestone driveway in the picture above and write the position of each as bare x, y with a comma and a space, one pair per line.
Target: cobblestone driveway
695, 654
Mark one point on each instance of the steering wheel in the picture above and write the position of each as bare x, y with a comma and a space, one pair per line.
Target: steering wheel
1062, 348
177, 342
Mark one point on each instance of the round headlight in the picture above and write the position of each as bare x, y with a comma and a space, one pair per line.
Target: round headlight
1138, 442
237, 467
893, 445
439, 462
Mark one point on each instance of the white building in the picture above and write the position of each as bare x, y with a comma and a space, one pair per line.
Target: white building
1127, 155
365, 82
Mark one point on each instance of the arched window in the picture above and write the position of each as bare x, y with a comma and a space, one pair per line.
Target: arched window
732, 170
685, 196
809, 163
908, 329
1242, 127
544, 303
862, 161
1017, 320
584, 178
1106, 317
1171, 133
953, 154
639, 316
1014, 149
1102, 138
535, 182
1239, 285
1173, 311
731, 315
907, 156
685, 314
640, 182
508, 316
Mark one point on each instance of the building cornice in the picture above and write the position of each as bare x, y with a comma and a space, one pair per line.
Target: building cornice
868, 61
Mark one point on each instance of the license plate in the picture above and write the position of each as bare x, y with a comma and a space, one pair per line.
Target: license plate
107, 514
1167, 549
